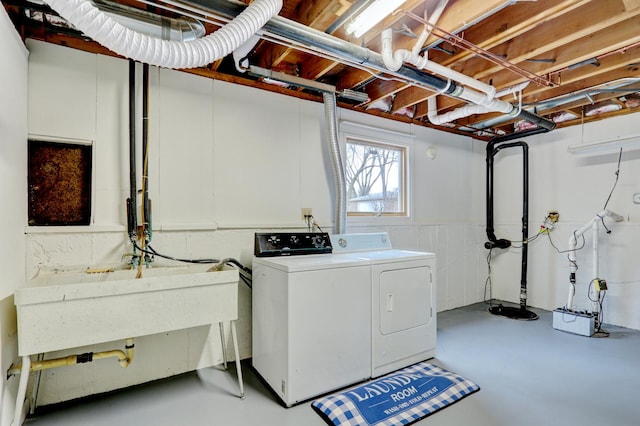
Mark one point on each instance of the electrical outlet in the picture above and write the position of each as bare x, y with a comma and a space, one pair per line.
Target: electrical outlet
553, 216
306, 212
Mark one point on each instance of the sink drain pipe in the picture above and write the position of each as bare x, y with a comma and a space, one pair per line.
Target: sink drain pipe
124, 359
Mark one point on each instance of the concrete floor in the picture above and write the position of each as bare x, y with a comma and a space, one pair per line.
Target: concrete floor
529, 374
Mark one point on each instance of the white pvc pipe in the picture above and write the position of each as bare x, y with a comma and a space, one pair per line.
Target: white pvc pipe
163, 53
450, 116
573, 242
481, 102
594, 295
240, 54
394, 60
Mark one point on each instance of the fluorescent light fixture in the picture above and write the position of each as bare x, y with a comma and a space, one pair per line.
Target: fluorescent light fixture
374, 13
606, 147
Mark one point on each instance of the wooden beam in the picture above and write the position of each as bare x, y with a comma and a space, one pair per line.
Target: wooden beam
410, 96
543, 42
507, 24
618, 65
458, 12
593, 45
380, 89
314, 14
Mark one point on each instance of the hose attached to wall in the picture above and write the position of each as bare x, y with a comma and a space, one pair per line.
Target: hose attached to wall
124, 41
336, 161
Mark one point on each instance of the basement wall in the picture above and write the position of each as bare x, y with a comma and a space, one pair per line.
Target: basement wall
577, 187
225, 161
13, 186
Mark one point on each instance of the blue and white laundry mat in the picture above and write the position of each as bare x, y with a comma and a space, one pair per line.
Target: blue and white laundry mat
399, 398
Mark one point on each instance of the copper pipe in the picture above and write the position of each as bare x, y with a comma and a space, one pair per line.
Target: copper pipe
459, 41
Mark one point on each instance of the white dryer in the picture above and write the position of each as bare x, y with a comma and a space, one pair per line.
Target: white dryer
403, 300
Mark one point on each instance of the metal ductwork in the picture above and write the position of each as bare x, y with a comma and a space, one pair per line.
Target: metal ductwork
336, 162
304, 36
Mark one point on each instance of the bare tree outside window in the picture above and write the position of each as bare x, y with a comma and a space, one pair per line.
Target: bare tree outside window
375, 178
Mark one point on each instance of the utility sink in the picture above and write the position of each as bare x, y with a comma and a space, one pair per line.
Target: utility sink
61, 309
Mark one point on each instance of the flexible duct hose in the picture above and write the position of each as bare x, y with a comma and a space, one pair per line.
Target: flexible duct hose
163, 53
336, 162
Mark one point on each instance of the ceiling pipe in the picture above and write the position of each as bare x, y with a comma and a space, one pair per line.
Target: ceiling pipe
394, 61
617, 85
450, 116
308, 37
124, 41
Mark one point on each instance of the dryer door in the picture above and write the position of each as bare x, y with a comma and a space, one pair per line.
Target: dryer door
405, 299
404, 314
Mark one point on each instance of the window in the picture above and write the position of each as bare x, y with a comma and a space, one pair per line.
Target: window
375, 175
59, 183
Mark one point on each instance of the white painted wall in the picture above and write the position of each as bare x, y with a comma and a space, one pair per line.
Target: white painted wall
13, 190
225, 161
578, 187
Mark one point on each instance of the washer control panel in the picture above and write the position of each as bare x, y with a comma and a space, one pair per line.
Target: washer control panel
271, 244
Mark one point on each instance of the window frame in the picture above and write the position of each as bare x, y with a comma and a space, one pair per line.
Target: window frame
372, 135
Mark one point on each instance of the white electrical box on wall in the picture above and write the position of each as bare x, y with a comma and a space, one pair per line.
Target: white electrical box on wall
636, 198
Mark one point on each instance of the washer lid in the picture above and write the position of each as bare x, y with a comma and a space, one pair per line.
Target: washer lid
312, 262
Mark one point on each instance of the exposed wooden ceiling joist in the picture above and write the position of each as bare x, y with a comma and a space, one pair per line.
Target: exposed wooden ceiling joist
550, 38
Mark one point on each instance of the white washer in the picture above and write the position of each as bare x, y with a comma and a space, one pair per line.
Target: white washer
311, 323
403, 323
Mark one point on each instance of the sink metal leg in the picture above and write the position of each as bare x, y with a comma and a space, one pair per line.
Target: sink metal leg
224, 344
22, 390
234, 337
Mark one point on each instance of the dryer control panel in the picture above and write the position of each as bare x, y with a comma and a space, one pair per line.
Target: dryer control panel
291, 244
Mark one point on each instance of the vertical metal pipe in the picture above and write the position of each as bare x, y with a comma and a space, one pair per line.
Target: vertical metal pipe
145, 154
336, 162
132, 201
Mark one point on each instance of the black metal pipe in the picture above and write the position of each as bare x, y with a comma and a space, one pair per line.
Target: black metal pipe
518, 135
541, 122
132, 200
525, 215
145, 142
492, 149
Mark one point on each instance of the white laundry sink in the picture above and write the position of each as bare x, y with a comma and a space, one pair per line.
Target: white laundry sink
61, 309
